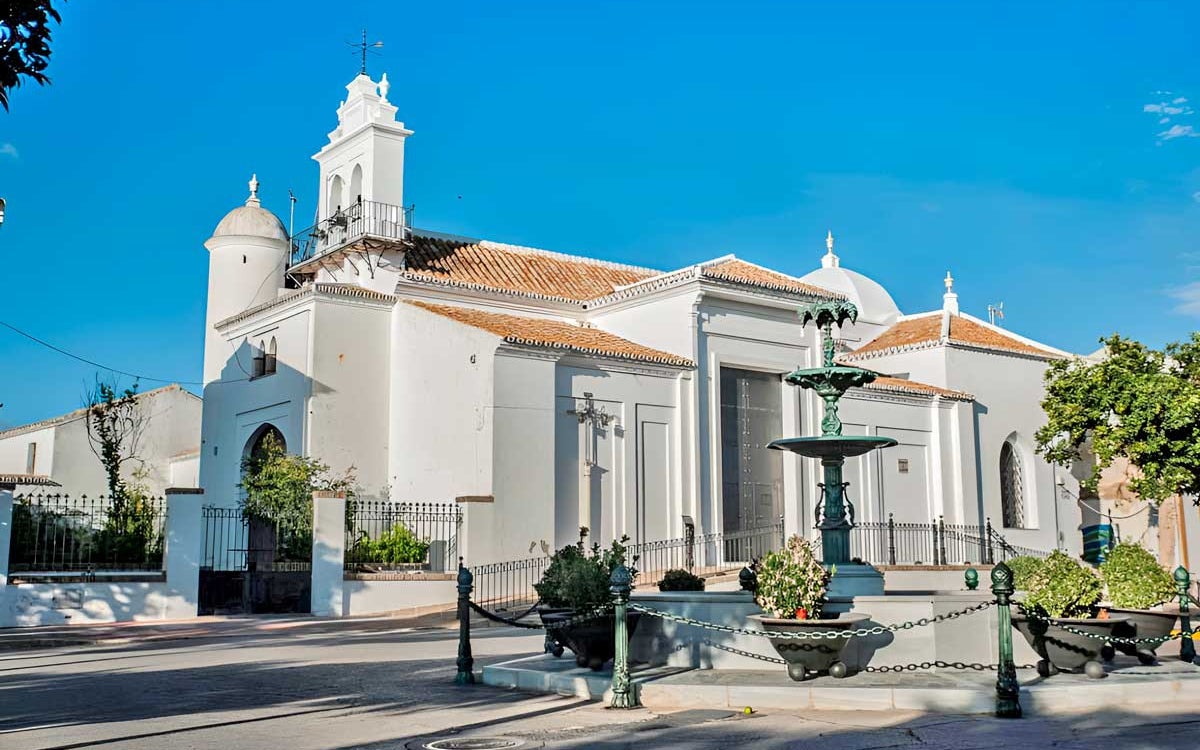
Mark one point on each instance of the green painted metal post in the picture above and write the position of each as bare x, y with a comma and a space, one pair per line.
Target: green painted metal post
971, 578
466, 662
1187, 646
622, 692
1008, 700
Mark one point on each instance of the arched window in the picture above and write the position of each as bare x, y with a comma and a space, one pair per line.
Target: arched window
269, 363
335, 195
260, 361
356, 178
265, 439
1012, 487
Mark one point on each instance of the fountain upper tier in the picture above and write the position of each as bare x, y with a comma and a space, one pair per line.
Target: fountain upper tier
833, 446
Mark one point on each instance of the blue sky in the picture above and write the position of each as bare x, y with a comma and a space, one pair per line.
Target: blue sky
1008, 142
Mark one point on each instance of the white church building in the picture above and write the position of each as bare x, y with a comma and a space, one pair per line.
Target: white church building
546, 392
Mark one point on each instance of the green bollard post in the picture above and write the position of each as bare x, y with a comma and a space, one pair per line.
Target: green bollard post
466, 663
1008, 699
622, 692
971, 578
1187, 647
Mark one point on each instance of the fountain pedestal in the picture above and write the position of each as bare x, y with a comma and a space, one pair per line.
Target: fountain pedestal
835, 512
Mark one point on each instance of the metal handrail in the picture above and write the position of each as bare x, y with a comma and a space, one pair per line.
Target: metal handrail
347, 225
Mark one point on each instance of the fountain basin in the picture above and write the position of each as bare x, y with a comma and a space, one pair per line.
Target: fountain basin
833, 446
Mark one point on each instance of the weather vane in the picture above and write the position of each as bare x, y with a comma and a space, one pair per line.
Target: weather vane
361, 48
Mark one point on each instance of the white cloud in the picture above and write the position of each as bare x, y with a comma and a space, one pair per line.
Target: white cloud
1178, 131
1187, 298
1180, 100
1167, 109
1164, 121
7, 149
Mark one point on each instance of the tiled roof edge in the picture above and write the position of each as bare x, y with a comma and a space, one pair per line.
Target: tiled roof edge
535, 251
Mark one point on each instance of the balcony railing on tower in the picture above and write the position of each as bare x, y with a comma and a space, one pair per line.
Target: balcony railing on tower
361, 222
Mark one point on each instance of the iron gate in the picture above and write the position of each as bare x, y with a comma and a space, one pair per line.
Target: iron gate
254, 566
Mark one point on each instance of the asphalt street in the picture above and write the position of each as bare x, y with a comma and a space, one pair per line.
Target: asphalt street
337, 688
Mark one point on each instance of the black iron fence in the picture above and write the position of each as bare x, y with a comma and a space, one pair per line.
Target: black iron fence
507, 585
60, 533
387, 536
932, 543
361, 219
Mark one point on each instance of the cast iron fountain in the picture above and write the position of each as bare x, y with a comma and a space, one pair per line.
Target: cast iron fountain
835, 512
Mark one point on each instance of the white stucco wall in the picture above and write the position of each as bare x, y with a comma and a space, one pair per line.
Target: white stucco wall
236, 405
14, 451
1008, 389
441, 415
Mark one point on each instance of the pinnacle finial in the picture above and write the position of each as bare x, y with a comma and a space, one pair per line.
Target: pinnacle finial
253, 199
830, 260
950, 298
949, 282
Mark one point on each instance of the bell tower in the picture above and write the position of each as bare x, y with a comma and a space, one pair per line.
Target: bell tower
364, 159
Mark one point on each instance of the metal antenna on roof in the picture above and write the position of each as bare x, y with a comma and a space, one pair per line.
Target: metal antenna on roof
995, 312
362, 48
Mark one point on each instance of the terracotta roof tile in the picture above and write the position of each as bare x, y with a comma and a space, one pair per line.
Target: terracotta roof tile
889, 383
739, 271
515, 269
554, 334
928, 329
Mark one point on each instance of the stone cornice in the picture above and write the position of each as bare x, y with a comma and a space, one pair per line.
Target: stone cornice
322, 290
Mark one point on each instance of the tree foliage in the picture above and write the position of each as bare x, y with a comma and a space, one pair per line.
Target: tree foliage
278, 486
115, 424
1063, 587
24, 43
1134, 579
1139, 404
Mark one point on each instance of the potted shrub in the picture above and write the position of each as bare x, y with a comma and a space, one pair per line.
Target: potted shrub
1062, 593
577, 582
791, 591
1023, 568
678, 579
1136, 584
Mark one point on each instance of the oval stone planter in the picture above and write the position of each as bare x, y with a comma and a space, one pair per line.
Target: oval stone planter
1063, 651
593, 642
812, 656
1143, 623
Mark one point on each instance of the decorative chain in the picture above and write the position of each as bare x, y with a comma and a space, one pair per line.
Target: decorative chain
925, 665
814, 635
513, 621
1033, 617
516, 623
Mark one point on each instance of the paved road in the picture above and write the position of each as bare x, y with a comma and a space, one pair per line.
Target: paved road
380, 687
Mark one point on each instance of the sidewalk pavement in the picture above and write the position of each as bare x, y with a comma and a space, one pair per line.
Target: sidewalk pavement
126, 633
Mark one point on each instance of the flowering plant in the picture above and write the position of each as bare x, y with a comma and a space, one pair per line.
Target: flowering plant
792, 580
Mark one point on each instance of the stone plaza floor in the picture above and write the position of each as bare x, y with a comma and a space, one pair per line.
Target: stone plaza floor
383, 685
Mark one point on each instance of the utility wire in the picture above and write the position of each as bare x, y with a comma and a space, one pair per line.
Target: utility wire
85, 360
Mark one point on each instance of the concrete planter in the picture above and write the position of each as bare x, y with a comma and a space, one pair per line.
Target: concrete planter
1060, 650
805, 656
1141, 623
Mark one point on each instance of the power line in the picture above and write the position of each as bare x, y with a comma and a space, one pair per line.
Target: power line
85, 360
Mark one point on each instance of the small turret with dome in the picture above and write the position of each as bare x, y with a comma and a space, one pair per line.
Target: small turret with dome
247, 259
874, 303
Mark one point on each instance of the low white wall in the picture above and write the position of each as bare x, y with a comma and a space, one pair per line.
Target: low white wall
29, 604
367, 597
898, 579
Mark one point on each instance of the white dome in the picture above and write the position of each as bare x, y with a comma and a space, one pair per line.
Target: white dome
251, 221
874, 304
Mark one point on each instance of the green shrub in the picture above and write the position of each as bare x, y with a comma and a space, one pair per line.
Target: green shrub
792, 578
678, 579
1134, 579
580, 579
1023, 567
1063, 587
396, 545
